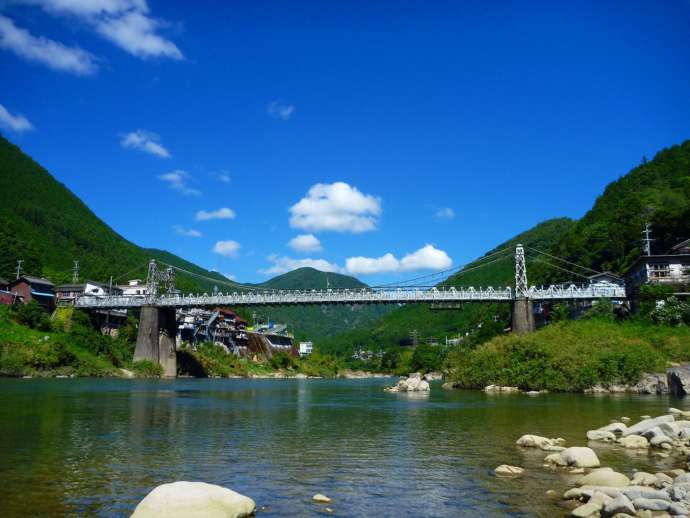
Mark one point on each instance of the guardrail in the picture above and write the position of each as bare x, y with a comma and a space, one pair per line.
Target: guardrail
353, 296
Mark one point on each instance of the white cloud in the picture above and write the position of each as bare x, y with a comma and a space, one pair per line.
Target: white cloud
223, 176
222, 213
426, 258
444, 213
228, 248
17, 123
281, 265
188, 232
337, 207
145, 141
45, 51
368, 265
126, 23
305, 243
279, 110
177, 180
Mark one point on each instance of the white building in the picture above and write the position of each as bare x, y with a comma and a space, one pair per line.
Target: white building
305, 348
134, 287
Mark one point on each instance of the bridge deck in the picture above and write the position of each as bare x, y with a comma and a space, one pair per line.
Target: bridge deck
354, 296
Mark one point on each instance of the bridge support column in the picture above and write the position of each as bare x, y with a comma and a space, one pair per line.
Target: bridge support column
156, 338
523, 316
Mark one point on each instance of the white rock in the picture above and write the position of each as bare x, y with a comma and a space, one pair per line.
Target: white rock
194, 499
620, 504
633, 442
321, 499
651, 504
505, 470
604, 477
586, 510
577, 456
543, 443
646, 424
600, 435
642, 478
615, 427
300, 376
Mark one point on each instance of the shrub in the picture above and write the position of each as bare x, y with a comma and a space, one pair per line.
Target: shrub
147, 369
32, 315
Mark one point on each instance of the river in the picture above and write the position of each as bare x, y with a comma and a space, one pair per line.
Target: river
98, 446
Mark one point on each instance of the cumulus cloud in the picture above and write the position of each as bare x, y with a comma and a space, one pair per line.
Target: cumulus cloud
279, 110
281, 265
144, 141
222, 213
45, 51
222, 176
177, 180
17, 123
125, 23
426, 258
305, 243
188, 232
228, 248
337, 207
444, 213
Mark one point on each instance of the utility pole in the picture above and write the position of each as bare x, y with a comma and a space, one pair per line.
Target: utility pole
19, 267
647, 240
75, 272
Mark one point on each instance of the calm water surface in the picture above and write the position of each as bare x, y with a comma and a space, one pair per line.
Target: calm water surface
96, 447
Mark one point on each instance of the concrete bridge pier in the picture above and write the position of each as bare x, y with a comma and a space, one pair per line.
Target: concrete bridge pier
156, 338
523, 316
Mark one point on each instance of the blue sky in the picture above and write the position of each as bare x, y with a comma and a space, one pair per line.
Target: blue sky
390, 138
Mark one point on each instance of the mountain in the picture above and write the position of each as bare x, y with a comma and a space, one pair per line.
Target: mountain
48, 227
607, 237
311, 278
43, 223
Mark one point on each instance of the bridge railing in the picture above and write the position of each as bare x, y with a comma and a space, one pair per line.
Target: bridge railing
400, 295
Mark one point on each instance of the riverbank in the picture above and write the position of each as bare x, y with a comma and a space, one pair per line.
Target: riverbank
572, 356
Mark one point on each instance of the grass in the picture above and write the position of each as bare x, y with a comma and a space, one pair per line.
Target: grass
572, 356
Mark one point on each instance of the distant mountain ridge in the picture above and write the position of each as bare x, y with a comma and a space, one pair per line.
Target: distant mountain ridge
311, 278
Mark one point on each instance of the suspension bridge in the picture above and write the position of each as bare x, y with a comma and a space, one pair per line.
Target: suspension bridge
158, 325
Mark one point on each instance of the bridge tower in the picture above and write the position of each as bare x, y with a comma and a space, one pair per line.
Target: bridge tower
158, 325
523, 311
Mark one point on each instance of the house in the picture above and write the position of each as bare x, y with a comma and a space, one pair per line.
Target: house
30, 288
305, 348
605, 279
6, 297
68, 293
134, 288
666, 269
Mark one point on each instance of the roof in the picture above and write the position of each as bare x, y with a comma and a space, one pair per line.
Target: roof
682, 244
33, 280
69, 287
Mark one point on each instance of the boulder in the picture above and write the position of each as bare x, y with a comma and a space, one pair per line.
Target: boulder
450, 385
493, 389
194, 499
504, 470
633, 442
679, 380
300, 376
620, 504
678, 509
663, 480
604, 477
433, 376
651, 504
653, 384
415, 375
635, 492
615, 427
600, 435
683, 478
642, 478
411, 384
543, 443
586, 510
423, 386
578, 456
656, 437
647, 424
321, 499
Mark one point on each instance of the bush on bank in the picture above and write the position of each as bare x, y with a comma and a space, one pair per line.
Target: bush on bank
572, 356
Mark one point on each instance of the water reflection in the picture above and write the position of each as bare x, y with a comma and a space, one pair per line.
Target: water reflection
96, 447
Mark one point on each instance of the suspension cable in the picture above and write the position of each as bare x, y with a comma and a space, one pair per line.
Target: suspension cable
539, 259
563, 260
218, 281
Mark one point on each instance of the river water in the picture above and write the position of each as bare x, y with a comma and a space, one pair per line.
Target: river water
98, 446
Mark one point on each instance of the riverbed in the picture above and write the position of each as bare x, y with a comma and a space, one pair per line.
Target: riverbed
98, 446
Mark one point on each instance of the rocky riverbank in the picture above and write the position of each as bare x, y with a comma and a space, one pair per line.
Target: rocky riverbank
415, 382
600, 491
